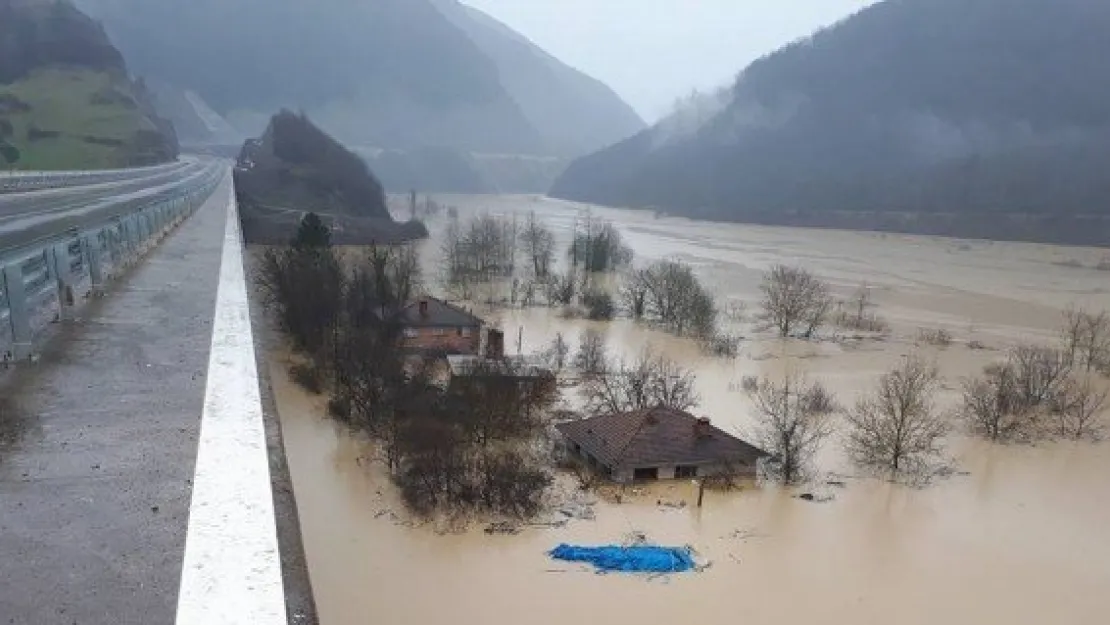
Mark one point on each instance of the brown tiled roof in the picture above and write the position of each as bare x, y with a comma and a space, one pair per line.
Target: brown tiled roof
656, 436
440, 315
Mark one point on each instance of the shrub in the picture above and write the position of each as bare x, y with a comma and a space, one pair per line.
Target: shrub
599, 306
938, 337
723, 345
307, 377
340, 408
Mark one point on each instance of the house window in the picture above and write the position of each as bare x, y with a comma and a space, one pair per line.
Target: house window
439, 332
411, 333
645, 474
466, 332
681, 472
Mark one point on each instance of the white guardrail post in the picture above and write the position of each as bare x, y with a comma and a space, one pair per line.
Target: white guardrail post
44, 281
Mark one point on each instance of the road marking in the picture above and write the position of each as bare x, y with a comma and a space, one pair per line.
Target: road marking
232, 568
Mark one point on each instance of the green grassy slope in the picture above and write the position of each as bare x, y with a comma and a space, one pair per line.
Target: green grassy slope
90, 120
66, 99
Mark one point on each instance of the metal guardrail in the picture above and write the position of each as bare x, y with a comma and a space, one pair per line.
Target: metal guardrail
16, 181
43, 282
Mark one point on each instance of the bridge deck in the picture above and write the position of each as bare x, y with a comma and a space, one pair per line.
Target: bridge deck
98, 455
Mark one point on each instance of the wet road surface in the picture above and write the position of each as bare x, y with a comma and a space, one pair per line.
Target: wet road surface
98, 448
31, 215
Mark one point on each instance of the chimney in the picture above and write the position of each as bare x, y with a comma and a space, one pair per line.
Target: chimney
423, 308
495, 344
703, 427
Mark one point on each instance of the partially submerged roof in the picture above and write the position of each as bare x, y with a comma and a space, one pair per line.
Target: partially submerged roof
657, 436
515, 366
432, 312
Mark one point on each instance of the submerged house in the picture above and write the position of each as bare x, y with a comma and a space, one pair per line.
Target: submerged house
658, 443
523, 372
433, 326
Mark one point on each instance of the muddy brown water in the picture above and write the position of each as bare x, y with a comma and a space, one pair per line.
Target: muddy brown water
1018, 536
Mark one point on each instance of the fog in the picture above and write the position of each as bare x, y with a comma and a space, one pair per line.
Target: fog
653, 51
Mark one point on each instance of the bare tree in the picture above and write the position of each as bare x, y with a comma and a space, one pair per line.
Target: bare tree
857, 313
1071, 333
675, 299
1086, 338
634, 293
560, 290
991, 407
896, 430
1037, 392
591, 357
396, 276
497, 401
793, 422
556, 354
652, 380
538, 243
794, 300
598, 247
478, 252
1040, 372
1079, 407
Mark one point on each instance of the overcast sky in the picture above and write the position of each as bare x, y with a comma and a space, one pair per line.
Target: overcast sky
652, 51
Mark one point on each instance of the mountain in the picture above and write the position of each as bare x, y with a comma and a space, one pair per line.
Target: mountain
295, 167
574, 113
193, 118
396, 75
446, 170
66, 99
984, 118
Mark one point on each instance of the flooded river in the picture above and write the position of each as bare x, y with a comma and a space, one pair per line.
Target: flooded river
1018, 536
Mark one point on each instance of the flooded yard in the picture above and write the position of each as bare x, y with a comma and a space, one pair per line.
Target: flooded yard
1017, 535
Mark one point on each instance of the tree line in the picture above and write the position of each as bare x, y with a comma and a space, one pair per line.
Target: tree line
449, 448
897, 430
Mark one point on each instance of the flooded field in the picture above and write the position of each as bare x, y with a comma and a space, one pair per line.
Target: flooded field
1017, 536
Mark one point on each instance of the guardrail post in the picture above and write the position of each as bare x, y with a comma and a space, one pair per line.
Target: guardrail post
58, 263
90, 244
18, 314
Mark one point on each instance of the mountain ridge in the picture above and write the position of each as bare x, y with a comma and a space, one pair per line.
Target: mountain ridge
968, 108
383, 74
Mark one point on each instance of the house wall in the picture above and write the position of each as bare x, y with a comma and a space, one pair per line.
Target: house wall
451, 340
667, 472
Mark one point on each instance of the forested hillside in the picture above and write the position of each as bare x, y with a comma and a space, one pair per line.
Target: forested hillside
974, 117
295, 168
384, 74
66, 100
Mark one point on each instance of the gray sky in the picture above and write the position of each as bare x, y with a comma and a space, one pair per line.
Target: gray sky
652, 51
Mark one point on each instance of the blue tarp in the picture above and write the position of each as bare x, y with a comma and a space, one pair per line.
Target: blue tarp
638, 559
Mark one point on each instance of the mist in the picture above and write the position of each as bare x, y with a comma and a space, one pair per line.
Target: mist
654, 51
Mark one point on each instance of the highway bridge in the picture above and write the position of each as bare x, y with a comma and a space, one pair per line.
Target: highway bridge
142, 476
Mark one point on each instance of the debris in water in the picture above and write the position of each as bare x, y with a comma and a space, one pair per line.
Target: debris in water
502, 527
578, 510
818, 498
743, 534
636, 559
